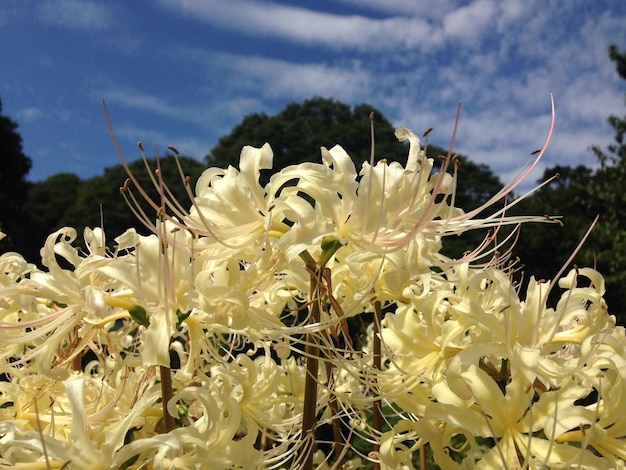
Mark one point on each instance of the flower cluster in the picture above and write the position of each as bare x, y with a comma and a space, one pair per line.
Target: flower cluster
313, 321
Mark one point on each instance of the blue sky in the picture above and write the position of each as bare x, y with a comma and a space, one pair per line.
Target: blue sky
185, 72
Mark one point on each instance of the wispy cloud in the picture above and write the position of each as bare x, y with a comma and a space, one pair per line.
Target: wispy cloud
470, 21
155, 141
311, 27
76, 14
302, 80
213, 116
505, 87
142, 101
29, 114
408, 26
405, 7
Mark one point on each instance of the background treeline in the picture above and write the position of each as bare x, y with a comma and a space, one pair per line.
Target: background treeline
31, 211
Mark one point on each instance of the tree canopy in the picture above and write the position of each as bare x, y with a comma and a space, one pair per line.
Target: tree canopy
14, 166
607, 198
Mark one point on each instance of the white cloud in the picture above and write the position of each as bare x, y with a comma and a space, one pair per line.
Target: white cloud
469, 22
511, 11
428, 10
311, 27
29, 114
250, 80
134, 99
296, 81
76, 14
590, 102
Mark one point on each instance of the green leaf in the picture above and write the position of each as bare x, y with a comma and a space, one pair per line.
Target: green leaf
139, 314
329, 246
181, 317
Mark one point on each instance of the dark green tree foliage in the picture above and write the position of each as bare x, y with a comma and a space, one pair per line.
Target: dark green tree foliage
46, 210
14, 166
606, 196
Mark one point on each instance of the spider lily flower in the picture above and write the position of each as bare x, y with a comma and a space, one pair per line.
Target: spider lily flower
230, 207
213, 439
56, 313
599, 425
392, 206
510, 416
79, 423
473, 357
374, 214
387, 209
237, 294
156, 278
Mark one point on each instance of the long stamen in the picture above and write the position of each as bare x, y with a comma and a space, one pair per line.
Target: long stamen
521, 175
562, 270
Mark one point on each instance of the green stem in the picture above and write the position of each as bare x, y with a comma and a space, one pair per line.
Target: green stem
166, 395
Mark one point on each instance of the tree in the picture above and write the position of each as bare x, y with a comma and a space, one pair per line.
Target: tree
606, 196
14, 166
45, 210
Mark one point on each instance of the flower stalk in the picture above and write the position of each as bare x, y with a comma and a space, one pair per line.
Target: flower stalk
166, 395
311, 353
